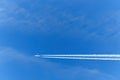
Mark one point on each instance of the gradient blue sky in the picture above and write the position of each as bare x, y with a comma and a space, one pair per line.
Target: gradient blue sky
28, 27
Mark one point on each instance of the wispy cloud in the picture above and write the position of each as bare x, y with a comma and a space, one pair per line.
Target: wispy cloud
10, 54
54, 19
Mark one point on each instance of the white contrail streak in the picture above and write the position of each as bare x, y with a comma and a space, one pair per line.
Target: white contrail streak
88, 55
83, 56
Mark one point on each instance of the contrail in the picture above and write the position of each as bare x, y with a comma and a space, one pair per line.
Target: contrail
83, 56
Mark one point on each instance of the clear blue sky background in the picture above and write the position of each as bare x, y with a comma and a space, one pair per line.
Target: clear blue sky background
28, 27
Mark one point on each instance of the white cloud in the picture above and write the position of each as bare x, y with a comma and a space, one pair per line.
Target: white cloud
10, 54
61, 22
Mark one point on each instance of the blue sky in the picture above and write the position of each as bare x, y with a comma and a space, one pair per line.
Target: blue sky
29, 27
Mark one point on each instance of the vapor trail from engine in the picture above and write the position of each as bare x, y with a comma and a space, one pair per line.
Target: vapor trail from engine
82, 56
